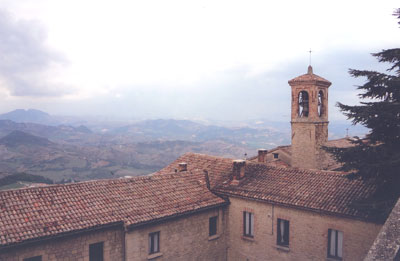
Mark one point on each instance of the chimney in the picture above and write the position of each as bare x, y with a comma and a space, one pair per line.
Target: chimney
262, 155
238, 169
182, 166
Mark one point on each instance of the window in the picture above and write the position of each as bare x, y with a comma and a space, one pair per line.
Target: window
276, 155
154, 242
248, 224
335, 243
303, 104
35, 258
96, 252
283, 232
320, 103
212, 226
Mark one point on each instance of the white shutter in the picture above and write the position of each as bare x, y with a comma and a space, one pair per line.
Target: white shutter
247, 232
251, 224
340, 244
332, 249
282, 228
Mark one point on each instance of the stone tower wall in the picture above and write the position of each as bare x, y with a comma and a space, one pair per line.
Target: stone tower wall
311, 132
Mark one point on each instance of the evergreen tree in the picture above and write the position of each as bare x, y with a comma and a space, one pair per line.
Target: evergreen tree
377, 157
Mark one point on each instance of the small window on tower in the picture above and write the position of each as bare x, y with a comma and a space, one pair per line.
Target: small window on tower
320, 103
303, 104
276, 155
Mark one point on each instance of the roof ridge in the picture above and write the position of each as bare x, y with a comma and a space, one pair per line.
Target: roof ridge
107, 181
311, 171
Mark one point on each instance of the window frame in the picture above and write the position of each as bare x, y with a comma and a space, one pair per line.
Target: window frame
154, 248
283, 239
248, 224
92, 248
338, 254
213, 226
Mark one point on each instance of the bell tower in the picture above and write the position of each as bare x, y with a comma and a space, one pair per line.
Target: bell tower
309, 119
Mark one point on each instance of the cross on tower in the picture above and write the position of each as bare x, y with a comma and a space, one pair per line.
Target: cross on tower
310, 55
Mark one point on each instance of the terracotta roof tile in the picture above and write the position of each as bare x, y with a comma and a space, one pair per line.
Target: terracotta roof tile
330, 192
310, 77
322, 191
31, 213
218, 168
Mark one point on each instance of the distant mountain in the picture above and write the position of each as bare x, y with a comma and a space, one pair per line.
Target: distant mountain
61, 133
31, 115
23, 152
170, 129
17, 138
83, 129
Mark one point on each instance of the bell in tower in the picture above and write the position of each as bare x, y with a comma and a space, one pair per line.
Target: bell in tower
309, 119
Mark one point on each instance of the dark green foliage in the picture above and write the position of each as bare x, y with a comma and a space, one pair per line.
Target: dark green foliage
378, 156
10, 179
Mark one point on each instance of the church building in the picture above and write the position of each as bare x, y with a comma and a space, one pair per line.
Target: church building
283, 204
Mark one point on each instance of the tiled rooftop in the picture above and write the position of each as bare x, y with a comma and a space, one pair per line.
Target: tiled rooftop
321, 191
43, 212
310, 77
218, 168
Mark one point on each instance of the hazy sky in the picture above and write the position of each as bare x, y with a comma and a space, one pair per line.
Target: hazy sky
184, 59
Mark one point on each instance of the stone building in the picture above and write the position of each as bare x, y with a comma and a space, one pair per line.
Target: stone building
202, 207
163, 217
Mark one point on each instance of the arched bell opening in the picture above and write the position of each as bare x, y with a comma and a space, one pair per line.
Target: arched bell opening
303, 106
320, 103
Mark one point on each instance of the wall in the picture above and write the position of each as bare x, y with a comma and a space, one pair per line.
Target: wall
309, 133
308, 233
184, 238
74, 248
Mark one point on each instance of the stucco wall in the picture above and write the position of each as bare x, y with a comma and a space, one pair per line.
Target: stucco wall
70, 248
180, 239
308, 233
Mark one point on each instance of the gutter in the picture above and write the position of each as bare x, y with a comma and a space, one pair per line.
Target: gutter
298, 207
63, 234
166, 218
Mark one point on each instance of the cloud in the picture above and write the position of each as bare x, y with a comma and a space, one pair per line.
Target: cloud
240, 94
28, 67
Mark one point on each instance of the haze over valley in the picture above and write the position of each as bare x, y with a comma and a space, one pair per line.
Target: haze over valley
67, 149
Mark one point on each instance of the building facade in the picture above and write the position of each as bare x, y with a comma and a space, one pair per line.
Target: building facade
308, 234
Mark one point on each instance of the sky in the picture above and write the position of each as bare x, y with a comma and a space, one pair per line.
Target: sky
202, 60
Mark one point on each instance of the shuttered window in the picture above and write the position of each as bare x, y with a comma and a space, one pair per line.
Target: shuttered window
212, 226
248, 224
335, 243
154, 242
282, 232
